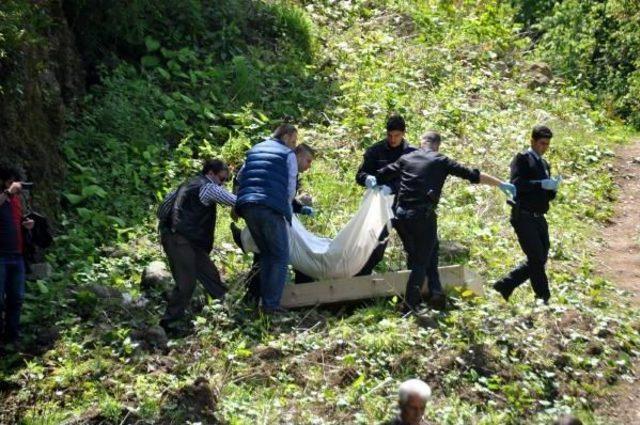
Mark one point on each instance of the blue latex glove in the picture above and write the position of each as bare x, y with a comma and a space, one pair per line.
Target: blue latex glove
549, 184
386, 190
306, 210
508, 189
370, 182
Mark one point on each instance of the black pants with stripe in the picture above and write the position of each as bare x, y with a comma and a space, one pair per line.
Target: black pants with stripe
533, 236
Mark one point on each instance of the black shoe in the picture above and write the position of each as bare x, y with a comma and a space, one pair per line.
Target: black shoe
437, 301
505, 292
236, 234
275, 311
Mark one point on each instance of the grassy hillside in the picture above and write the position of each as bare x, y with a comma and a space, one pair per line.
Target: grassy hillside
336, 69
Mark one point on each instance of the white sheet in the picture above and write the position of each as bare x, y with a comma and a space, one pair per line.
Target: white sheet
348, 252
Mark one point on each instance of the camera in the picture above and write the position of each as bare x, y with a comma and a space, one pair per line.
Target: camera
27, 185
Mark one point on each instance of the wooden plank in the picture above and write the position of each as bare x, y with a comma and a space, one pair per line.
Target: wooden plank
363, 287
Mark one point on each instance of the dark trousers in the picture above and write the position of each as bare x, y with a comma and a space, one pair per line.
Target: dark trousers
377, 255
270, 232
12, 277
419, 235
533, 236
253, 285
188, 263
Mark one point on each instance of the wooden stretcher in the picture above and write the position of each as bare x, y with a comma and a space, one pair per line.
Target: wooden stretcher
374, 286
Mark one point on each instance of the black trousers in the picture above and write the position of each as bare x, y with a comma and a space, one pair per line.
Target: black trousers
188, 263
376, 256
419, 235
533, 236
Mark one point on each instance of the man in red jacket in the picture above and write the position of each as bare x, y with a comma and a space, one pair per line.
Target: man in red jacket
12, 268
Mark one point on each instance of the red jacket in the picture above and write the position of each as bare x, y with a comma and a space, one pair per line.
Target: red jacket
11, 226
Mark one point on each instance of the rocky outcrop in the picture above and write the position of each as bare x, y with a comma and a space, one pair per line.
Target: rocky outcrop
41, 79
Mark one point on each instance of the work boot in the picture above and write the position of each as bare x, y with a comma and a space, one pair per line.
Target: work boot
502, 289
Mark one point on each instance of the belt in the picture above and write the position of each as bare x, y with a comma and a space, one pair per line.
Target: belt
531, 213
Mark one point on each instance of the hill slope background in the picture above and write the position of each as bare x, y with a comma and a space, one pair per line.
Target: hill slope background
170, 85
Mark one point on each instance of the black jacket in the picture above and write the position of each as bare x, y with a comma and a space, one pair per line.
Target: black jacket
398, 421
191, 218
531, 197
422, 174
379, 156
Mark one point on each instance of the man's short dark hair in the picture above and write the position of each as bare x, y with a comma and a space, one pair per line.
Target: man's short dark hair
283, 130
541, 132
304, 148
396, 122
215, 165
10, 172
431, 136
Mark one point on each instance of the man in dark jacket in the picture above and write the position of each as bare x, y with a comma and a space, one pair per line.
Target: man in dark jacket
266, 188
531, 175
12, 267
422, 175
381, 154
187, 236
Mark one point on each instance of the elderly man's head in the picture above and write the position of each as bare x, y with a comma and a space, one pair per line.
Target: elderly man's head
413, 395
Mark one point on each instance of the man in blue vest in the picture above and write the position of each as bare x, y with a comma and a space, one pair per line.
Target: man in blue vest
266, 188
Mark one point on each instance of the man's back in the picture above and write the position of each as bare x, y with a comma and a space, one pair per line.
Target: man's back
422, 176
265, 177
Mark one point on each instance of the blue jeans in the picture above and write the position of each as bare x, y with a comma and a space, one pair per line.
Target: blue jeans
12, 277
270, 231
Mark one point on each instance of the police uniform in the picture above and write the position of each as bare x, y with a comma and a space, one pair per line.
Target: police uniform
422, 175
527, 218
375, 158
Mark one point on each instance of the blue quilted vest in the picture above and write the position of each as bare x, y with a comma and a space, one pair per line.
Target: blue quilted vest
265, 177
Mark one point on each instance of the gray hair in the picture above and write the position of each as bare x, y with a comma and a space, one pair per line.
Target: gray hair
284, 130
414, 387
431, 137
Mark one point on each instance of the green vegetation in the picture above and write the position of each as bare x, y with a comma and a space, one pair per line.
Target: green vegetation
337, 69
593, 44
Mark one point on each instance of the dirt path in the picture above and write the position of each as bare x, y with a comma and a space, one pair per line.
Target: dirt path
620, 262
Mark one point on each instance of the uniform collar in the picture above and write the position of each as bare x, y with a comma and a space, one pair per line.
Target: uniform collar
535, 154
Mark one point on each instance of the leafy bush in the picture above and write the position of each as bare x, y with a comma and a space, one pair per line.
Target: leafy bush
594, 44
455, 67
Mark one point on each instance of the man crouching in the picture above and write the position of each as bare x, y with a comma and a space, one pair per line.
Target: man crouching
187, 223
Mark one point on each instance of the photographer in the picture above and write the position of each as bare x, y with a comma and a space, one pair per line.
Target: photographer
12, 267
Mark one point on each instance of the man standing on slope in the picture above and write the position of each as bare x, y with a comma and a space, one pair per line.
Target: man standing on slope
12, 267
531, 175
187, 219
422, 175
377, 156
266, 188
